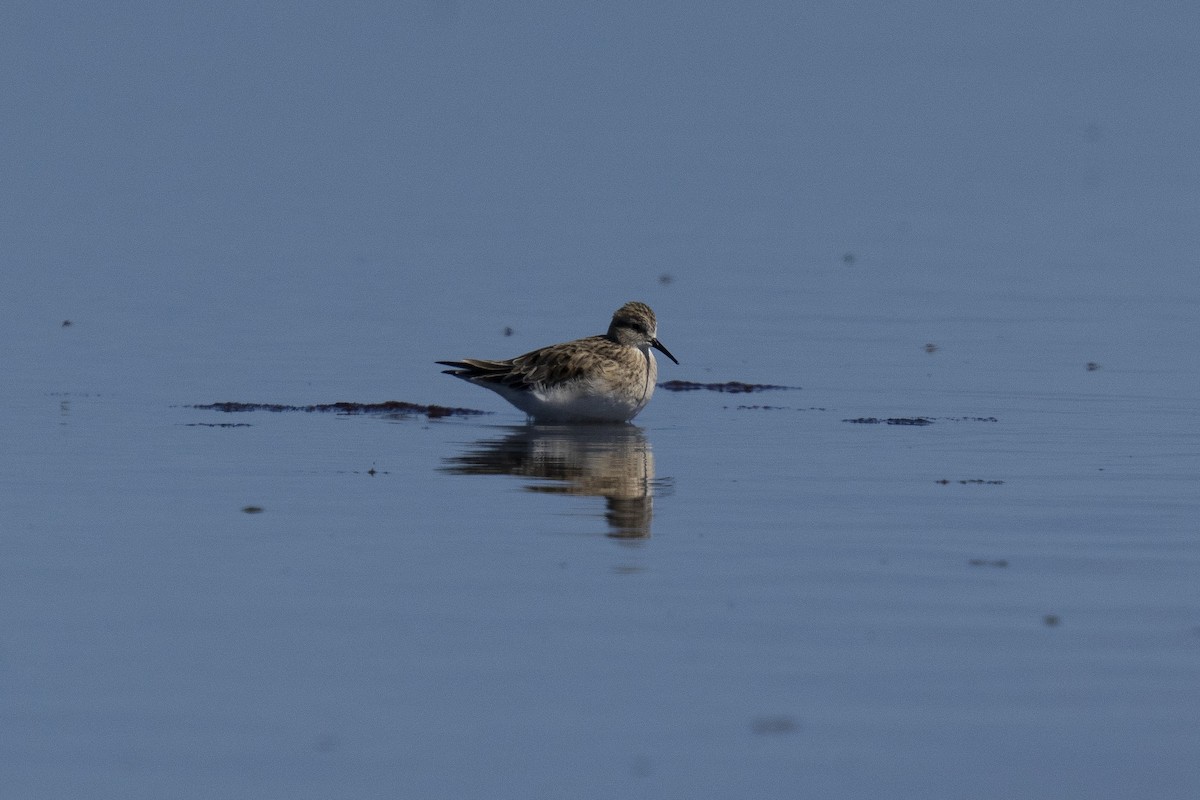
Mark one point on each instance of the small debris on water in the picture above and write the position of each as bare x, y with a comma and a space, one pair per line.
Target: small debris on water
642, 766
915, 420
327, 743
732, 387
768, 726
392, 407
986, 562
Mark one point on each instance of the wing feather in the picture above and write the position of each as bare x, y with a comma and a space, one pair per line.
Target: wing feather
565, 362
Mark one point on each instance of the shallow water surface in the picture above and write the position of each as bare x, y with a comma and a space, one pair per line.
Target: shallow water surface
728, 595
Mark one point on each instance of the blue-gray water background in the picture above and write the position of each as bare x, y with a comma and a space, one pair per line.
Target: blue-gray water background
306, 203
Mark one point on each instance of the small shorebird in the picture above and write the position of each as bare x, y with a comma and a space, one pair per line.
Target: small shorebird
607, 378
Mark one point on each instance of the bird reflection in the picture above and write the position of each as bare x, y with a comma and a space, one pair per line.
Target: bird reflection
610, 461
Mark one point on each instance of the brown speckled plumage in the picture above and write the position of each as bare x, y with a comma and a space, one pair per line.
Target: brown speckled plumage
606, 378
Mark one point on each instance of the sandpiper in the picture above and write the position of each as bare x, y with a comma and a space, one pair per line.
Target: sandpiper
606, 378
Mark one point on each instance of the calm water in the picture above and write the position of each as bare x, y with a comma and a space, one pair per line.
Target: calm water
967, 219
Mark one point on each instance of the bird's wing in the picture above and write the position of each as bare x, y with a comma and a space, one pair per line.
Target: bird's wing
561, 361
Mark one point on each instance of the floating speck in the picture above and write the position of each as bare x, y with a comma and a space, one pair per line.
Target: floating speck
767, 726
642, 766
